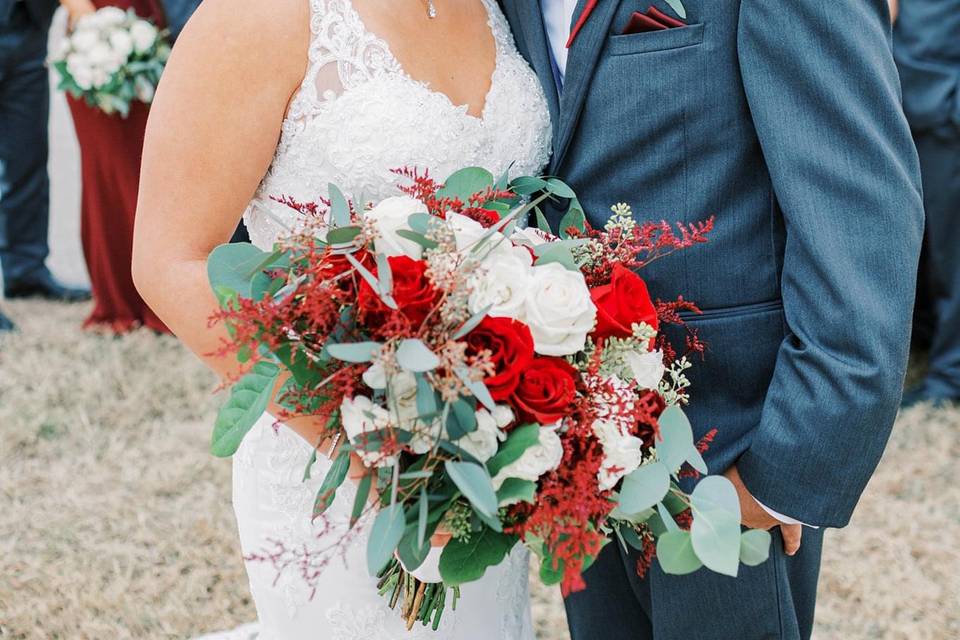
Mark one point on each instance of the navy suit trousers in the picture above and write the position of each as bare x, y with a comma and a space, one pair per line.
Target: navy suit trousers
24, 114
940, 164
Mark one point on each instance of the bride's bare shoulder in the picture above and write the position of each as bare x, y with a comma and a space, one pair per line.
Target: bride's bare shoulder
261, 32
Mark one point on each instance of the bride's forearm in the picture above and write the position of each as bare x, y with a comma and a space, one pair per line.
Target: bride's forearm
182, 298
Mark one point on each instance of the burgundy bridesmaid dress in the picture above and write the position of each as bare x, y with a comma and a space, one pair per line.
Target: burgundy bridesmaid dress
110, 152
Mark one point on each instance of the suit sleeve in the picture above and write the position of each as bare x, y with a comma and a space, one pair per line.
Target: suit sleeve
824, 96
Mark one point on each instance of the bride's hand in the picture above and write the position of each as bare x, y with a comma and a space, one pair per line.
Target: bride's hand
77, 9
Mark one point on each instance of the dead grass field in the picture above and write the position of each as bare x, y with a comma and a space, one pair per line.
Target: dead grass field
116, 523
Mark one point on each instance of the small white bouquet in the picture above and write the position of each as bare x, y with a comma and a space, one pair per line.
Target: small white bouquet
111, 59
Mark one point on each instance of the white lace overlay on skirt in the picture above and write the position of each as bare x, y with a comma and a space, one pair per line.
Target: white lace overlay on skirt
357, 117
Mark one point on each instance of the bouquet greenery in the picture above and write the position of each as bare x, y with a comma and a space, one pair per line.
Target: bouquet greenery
504, 385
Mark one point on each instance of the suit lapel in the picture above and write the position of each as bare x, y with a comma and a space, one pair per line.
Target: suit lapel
581, 61
530, 23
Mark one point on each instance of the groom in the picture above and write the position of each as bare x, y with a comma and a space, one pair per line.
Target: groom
783, 119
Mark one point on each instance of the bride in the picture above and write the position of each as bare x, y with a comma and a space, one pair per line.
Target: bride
268, 99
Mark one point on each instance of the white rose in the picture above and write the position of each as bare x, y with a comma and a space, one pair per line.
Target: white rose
502, 284
122, 44
647, 368
559, 310
83, 40
111, 16
532, 237
359, 416
83, 76
391, 216
483, 443
536, 460
100, 77
402, 405
622, 453
100, 54
144, 36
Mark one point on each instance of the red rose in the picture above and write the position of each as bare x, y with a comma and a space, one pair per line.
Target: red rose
621, 304
511, 349
546, 391
412, 290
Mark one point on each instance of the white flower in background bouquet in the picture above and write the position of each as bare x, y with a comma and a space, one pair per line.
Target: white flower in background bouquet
112, 59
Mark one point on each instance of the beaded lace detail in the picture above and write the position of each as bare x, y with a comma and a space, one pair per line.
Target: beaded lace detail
357, 116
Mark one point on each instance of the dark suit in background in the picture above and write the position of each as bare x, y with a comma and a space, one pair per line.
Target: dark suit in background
24, 112
927, 49
178, 12
784, 120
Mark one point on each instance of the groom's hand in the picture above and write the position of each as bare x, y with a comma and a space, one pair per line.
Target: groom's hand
756, 517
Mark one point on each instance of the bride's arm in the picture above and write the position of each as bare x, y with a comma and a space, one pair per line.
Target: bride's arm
212, 132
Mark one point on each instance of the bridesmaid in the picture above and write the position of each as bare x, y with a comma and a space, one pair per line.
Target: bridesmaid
110, 149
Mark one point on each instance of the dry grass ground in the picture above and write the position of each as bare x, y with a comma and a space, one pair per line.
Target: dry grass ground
116, 523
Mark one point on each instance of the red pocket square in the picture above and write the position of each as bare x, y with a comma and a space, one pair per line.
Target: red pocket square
652, 20
671, 22
641, 23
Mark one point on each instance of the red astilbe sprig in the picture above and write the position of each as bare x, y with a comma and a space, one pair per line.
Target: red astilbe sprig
570, 503
638, 246
425, 189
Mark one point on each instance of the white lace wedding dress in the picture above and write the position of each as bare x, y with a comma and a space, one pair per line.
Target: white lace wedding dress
356, 117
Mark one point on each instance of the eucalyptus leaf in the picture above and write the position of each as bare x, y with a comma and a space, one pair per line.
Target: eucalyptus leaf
420, 222
472, 323
716, 524
519, 440
415, 356
574, 217
542, 223
644, 488
465, 183
514, 490
385, 534
233, 266
677, 6
461, 420
676, 555
419, 238
247, 402
343, 235
385, 275
339, 209
355, 352
527, 185
754, 547
676, 435
331, 482
560, 254
464, 561
360, 500
558, 187
669, 524
475, 484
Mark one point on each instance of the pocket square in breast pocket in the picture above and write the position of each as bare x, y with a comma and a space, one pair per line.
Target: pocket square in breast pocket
652, 20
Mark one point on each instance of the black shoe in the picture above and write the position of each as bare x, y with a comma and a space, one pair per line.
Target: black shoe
45, 286
6, 324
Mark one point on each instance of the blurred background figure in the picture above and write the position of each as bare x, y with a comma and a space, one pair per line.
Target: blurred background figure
178, 12
927, 48
24, 183
110, 149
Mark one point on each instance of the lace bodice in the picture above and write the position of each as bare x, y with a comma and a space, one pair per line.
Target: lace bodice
358, 115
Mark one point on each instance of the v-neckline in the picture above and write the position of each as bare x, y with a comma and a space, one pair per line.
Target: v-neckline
464, 108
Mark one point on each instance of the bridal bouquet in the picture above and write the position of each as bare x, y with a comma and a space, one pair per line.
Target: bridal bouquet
503, 385
111, 59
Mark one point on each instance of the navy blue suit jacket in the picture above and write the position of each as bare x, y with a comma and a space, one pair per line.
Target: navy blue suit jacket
41, 11
784, 120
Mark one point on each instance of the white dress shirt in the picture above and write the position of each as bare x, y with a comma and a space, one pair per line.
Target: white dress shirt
557, 21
